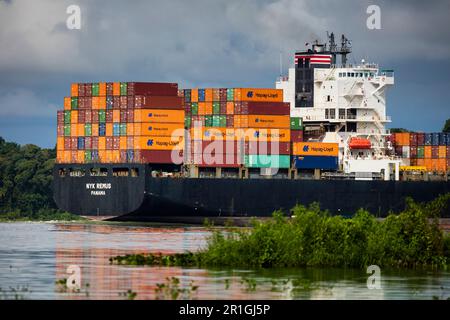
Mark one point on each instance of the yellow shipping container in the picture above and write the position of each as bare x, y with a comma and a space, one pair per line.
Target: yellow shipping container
115, 156
102, 89
109, 156
161, 143
159, 115
230, 107
95, 103
67, 156
74, 89
102, 102
73, 117
102, 143
194, 95
136, 142
315, 149
269, 121
59, 156
258, 94
67, 103
60, 144
159, 129
427, 152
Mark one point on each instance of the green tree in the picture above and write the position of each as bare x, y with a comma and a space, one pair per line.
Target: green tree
399, 130
446, 126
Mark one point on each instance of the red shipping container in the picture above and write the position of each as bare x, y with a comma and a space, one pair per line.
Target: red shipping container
413, 162
123, 115
60, 130
109, 116
74, 156
116, 102
60, 117
266, 108
187, 107
109, 88
435, 152
152, 89
158, 102
420, 139
123, 102
94, 116
130, 142
264, 147
88, 89
116, 143
109, 143
230, 121
413, 139
67, 144
87, 143
73, 143
81, 90
88, 116
218, 147
219, 160
296, 136
223, 107
160, 156
130, 115
448, 163
123, 156
81, 104
95, 143
81, 116
88, 103
412, 151
130, 102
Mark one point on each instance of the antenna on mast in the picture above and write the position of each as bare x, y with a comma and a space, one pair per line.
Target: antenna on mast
281, 63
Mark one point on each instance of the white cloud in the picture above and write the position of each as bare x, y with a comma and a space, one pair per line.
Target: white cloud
22, 102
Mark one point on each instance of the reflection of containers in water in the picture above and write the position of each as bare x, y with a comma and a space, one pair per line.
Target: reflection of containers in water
267, 161
316, 162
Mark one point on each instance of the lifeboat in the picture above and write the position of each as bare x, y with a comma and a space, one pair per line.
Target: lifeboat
359, 143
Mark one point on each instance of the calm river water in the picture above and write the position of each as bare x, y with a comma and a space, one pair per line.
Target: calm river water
35, 255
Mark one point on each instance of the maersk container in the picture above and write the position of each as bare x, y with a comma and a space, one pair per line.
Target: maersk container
123, 129
296, 123
316, 162
267, 161
201, 95
116, 129
95, 90
74, 103
80, 143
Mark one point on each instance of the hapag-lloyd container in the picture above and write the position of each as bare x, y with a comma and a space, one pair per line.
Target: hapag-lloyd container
316, 162
257, 94
315, 149
158, 129
159, 115
161, 143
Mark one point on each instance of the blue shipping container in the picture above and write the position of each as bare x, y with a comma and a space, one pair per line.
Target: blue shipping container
80, 143
95, 155
201, 95
448, 139
109, 102
428, 139
316, 162
102, 129
116, 129
442, 139
130, 155
435, 139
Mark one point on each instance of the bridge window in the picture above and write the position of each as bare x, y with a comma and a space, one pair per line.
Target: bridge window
98, 172
76, 172
62, 172
120, 172
134, 172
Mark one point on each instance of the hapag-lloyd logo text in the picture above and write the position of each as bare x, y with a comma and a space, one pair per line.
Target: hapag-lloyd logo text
307, 148
252, 94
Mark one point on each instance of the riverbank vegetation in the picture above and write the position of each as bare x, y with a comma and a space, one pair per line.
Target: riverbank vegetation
314, 238
25, 183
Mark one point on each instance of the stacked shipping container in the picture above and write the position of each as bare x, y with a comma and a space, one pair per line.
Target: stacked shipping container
118, 122
430, 150
258, 116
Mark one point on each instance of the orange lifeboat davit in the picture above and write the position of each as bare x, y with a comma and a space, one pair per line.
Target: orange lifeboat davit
359, 143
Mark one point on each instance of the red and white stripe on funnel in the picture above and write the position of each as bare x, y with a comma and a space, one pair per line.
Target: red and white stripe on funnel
315, 58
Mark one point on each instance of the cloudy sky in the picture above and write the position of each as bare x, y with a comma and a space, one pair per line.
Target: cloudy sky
222, 43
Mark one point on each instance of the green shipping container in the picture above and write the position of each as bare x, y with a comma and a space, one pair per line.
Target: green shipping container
123, 129
74, 103
95, 89
420, 152
67, 130
101, 115
296, 123
216, 121
267, 161
230, 94
67, 117
194, 108
208, 121
123, 88
87, 156
222, 121
187, 121
216, 108
88, 129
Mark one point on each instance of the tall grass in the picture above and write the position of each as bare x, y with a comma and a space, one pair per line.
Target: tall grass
314, 238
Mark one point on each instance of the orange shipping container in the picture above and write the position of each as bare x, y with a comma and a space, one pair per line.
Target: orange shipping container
442, 165
95, 103
159, 129
109, 129
421, 162
109, 156
102, 89
80, 156
194, 95
137, 141
73, 117
74, 89
102, 143
95, 129
102, 156
428, 164
442, 152
159, 115
209, 94
116, 116
257, 94
248, 134
208, 108
161, 143
130, 128
201, 108
240, 121
116, 89
102, 102
427, 152
74, 130
123, 143
230, 107
315, 149
402, 139
67, 103
115, 156
266, 121
60, 144
60, 157
67, 156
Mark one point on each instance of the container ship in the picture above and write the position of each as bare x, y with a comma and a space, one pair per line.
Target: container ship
151, 151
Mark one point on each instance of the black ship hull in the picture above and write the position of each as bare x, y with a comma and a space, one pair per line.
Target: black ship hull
141, 197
